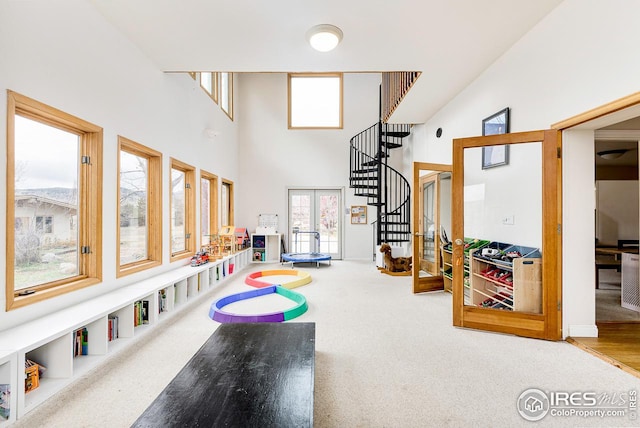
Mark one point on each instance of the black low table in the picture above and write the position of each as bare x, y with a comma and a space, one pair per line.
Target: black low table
245, 375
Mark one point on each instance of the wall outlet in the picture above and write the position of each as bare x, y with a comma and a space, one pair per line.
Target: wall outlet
509, 220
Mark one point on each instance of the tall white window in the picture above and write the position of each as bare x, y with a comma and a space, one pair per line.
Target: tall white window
139, 207
54, 202
208, 206
182, 210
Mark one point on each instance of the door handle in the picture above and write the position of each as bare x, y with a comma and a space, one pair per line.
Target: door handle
459, 241
418, 234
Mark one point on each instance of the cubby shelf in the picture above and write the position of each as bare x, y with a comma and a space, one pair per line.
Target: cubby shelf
514, 286
49, 340
8, 376
265, 247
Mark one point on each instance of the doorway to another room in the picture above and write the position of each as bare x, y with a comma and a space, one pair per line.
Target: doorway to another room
613, 130
617, 223
314, 222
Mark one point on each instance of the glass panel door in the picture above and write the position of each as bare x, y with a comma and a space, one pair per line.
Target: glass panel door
505, 234
315, 221
431, 206
429, 224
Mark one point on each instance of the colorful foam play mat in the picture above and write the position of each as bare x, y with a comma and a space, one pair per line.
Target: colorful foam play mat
217, 313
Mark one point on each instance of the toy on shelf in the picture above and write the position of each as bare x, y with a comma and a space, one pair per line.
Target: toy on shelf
242, 238
228, 242
200, 258
213, 247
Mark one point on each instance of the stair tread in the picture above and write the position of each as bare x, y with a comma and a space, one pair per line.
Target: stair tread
400, 134
391, 145
363, 178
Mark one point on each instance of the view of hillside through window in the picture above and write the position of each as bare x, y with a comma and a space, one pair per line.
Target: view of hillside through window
178, 210
46, 203
133, 208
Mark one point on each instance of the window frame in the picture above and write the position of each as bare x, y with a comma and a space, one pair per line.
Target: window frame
213, 202
89, 220
315, 75
189, 213
230, 213
154, 208
229, 113
213, 92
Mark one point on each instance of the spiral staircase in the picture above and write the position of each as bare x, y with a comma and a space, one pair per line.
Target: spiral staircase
383, 186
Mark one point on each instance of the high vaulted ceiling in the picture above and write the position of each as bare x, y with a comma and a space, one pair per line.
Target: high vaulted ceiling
450, 41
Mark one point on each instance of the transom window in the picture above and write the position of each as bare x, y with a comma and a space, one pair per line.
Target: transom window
226, 93
209, 82
139, 207
54, 200
315, 101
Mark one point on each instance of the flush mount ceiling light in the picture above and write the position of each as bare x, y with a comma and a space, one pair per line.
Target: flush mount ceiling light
324, 37
612, 154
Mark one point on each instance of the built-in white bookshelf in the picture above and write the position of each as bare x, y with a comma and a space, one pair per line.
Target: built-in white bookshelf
49, 340
8, 381
265, 247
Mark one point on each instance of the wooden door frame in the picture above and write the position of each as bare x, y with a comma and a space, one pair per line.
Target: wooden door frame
428, 283
615, 111
547, 325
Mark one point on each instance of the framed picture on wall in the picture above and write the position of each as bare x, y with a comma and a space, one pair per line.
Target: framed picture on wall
497, 123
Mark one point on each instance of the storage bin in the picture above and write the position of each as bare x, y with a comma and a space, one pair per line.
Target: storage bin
527, 252
500, 246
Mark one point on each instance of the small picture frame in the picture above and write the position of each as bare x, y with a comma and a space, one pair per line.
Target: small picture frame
358, 214
497, 123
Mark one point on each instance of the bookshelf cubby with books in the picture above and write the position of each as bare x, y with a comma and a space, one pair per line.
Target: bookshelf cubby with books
109, 323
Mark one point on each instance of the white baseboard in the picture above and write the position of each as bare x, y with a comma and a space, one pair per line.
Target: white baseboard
583, 331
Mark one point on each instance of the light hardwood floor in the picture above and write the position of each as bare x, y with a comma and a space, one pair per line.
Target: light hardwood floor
618, 343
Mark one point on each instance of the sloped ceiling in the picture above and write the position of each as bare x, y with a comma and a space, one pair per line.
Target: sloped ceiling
449, 41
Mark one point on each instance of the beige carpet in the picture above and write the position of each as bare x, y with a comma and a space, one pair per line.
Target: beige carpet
385, 358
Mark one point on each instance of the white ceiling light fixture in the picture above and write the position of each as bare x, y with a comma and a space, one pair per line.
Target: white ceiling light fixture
612, 154
324, 37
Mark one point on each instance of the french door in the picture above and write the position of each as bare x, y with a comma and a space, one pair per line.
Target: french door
431, 207
315, 223
506, 247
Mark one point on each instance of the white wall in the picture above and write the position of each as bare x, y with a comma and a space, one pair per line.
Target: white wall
274, 158
66, 55
578, 58
617, 210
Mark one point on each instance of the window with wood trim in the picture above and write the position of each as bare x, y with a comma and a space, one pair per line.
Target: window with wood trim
54, 202
226, 93
315, 100
208, 206
139, 240
182, 227
226, 202
209, 82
